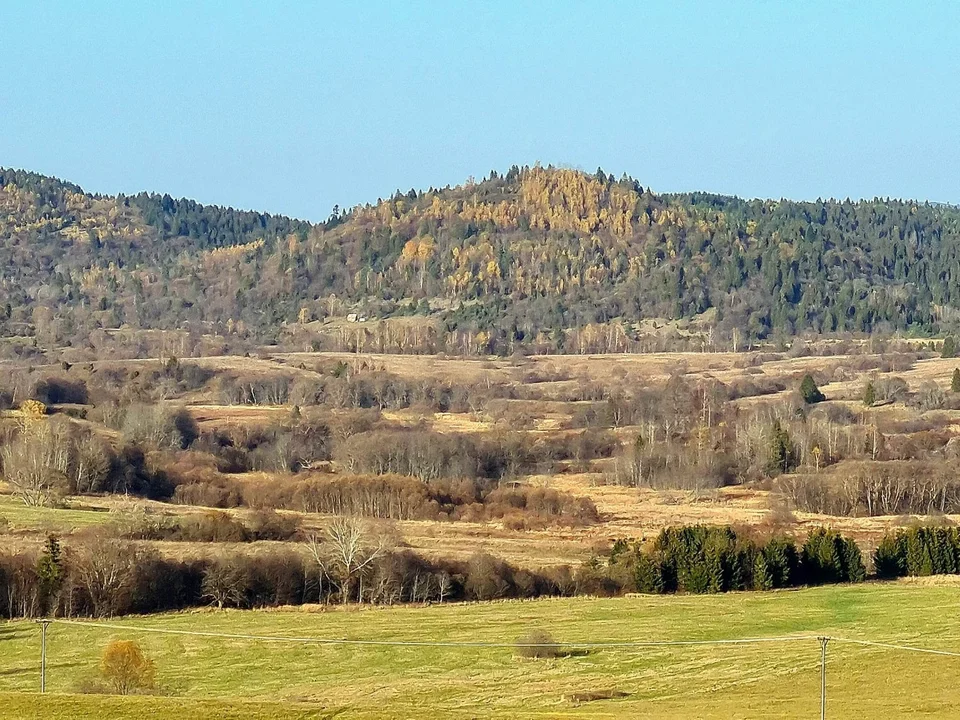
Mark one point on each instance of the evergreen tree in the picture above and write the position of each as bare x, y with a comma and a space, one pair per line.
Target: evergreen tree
50, 572
762, 577
955, 381
889, 559
782, 560
828, 557
917, 557
782, 456
809, 390
853, 568
949, 347
869, 395
648, 574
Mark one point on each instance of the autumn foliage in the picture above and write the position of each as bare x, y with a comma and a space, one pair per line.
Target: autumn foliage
126, 669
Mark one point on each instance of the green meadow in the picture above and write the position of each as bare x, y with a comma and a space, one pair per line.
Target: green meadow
205, 677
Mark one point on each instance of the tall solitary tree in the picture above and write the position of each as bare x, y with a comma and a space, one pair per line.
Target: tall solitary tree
869, 395
955, 382
809, 390
50, 573
782, 456
949, 349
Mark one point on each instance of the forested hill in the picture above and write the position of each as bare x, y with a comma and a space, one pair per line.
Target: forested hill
530, 257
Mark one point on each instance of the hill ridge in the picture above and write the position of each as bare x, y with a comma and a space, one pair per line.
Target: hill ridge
527, 258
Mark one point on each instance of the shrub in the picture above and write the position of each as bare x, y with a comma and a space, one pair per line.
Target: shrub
214, 526
126, 669
59, 391
268, 524
538, 644
159, 427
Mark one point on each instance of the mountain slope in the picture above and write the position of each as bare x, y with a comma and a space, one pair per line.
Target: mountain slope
524, 257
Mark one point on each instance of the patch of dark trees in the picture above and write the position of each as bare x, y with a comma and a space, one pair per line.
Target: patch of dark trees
919, 551
704, 559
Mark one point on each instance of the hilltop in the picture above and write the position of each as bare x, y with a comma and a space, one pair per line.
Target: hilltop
542, 259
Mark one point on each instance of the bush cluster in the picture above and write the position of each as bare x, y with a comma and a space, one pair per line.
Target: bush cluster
396, 497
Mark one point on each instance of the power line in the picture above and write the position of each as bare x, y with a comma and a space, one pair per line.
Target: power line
824, 640
478, 644
434, 643
893, 646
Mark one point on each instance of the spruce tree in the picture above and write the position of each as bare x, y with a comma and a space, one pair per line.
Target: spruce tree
853, 567
50, 572
955, 382
648, 574
889, 559
949, 349
869, 395
762, 578
809, 391
781, 451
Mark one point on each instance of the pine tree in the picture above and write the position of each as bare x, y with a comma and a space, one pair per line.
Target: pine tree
955, 382
809, 391
869, 395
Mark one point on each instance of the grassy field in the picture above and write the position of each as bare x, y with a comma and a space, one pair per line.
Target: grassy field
228, 678
43, 519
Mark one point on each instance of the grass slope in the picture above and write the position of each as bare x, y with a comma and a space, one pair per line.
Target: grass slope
57, 520
218, 678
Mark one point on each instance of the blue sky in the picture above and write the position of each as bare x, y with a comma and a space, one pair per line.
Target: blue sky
294, 107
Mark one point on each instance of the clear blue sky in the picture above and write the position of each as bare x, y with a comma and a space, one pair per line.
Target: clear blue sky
293, 107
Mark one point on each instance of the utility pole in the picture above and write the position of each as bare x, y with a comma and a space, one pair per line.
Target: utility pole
43, 654
823, 676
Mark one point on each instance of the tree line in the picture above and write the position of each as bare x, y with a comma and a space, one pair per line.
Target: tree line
918, 551
352, 562
706, 559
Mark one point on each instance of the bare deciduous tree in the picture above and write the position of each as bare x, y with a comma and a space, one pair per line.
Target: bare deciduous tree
106, 571
37, 460
224, 582
348, 548
92, 464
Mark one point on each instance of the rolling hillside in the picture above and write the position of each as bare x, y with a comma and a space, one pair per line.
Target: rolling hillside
539, 258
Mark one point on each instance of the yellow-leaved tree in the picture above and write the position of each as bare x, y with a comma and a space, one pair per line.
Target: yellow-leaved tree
126, 669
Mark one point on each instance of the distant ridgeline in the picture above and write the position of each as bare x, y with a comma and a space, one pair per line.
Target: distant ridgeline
542, 259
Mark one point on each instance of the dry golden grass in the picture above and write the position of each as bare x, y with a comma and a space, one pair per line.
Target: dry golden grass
219, 415
626, 512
